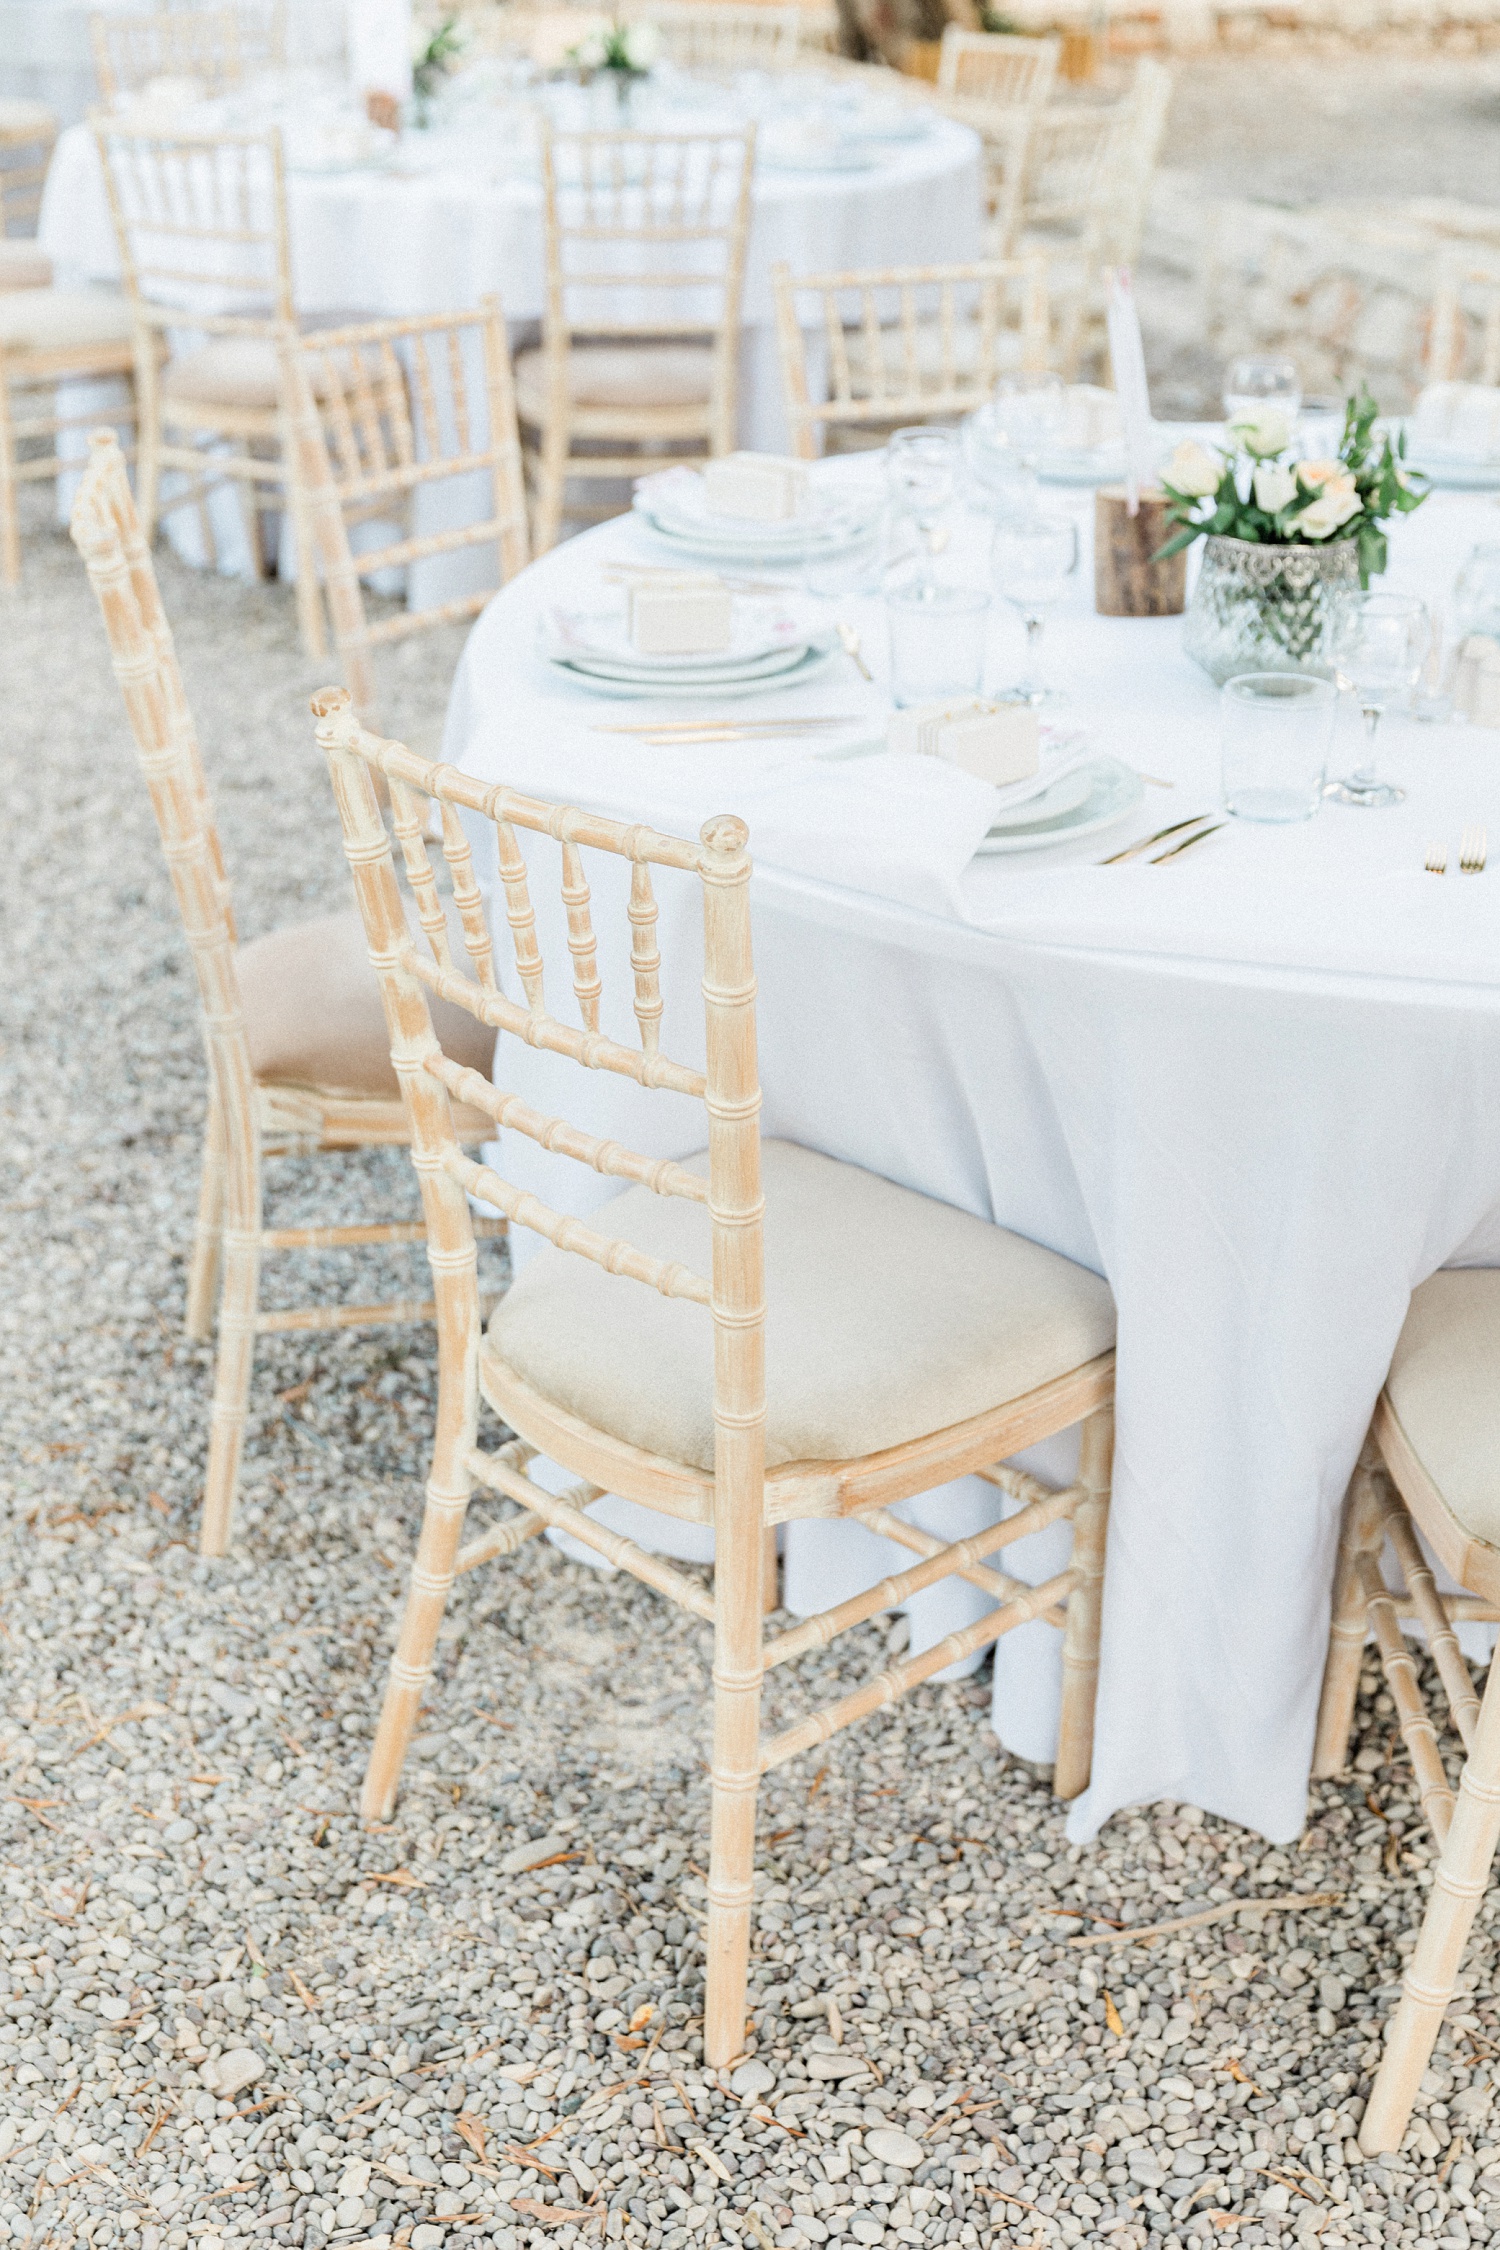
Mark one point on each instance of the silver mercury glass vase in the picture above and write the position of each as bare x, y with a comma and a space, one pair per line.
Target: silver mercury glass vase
1259, 608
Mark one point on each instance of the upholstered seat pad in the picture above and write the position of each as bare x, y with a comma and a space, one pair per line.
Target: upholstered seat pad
624, 375
313, 1015
54, 320
1444, 1385
24, 121
234, 371
889, 1316
23, 266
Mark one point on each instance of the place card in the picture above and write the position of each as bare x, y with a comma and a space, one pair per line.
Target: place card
690, 619
996, 742
756, 487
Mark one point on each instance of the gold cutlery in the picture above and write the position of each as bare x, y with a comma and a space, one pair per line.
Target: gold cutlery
1146, 842
1471, 852
1187, 844
1153, 780
1436, 862
850, 639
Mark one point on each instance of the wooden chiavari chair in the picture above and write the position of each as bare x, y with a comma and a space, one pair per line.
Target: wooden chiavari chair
1432, 1466
1001, 68
197, 44
201, 223
724, 36
904, 344
298, 1055
862, 1343
627, 374
28, 133
1465, 336
1077, 161
378, 415
50, 337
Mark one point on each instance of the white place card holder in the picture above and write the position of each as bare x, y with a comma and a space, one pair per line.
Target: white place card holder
756, 487
694, 618
996, 742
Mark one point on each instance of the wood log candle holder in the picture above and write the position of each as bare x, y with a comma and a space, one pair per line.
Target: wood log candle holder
1128, 580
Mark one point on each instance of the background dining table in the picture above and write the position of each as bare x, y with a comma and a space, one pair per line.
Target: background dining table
1258, 1089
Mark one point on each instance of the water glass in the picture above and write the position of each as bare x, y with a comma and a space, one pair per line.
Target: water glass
937, 636
1032, 561
922, 467
1253, 382
1275, 731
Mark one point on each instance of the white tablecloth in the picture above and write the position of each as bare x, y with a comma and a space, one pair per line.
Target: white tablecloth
438, 240
1259, 1091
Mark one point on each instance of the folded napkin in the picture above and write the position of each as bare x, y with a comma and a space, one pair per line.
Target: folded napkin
1462, 418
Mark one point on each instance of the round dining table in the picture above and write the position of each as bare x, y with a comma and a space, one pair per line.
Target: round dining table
454, 213
1256, 1087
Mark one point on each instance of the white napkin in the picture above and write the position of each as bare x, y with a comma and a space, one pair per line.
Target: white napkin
1462, 418
1021, 792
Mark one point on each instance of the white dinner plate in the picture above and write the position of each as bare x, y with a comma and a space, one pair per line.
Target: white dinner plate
1457, 472
816, 659
1114, 793
1064, 795
1082, 465
834, 521
669, 675
599, 641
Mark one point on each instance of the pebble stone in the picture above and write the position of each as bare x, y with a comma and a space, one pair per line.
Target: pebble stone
451, 2042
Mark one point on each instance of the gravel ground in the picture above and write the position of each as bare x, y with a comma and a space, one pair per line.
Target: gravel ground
231, 2013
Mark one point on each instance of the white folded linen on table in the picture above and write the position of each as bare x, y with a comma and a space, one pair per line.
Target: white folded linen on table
1258, 1091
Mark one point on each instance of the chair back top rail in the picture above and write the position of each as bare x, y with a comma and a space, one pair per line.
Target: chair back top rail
1002, 67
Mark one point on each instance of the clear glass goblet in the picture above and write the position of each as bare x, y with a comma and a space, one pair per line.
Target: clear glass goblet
1031, 562
921, 467
1379, 644
1254, 382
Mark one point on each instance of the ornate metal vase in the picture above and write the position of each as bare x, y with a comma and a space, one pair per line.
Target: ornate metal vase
1266, 609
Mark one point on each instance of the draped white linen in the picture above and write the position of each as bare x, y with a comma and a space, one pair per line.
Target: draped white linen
1259, 1091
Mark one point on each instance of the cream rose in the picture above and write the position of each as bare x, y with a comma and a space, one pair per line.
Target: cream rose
1275, 487
1261, 430
1325, 476
1323, 516
1194, 470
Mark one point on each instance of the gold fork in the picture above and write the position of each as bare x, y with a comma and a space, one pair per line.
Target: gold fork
1436, 862
1471, 852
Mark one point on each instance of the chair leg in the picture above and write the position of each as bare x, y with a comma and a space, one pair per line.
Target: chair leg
208, 1234
1462, 1876
739, 1551
1075, 1734
1364, 1533
10, 521
238, 1305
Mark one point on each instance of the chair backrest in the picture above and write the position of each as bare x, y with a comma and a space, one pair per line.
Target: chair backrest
999, 67
1132, 164
107, 533
381, 413
28, 132
645, 238
1075, 158
724, 35
431, 1081
1465, 337
905, 343
200, 219
202, 44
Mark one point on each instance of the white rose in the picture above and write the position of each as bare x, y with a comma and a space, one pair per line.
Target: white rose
1275, 487
1194, 470
1323, 516
642, 45
1261, 430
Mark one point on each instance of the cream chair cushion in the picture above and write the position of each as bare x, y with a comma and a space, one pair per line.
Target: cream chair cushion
23, 266
56, 320
1444, 1386
602, 376
889, 1316
313, 1015
234, 371
23, 121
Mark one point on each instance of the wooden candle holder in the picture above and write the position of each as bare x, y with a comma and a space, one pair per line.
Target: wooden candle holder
1128, 580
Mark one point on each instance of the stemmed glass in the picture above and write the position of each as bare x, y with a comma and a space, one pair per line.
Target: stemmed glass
1006, 437
1031, 562
1253, 382
1379, 643
921, 467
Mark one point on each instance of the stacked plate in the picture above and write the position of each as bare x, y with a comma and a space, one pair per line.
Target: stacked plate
769, 650
673, 506
1079, 803
1449, 468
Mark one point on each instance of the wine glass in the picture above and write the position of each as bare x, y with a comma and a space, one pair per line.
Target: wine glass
1254, 382
921, 467
1379, 643
1031, 562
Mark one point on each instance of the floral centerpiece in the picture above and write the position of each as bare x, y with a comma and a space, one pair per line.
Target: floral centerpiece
1283, 538
435, 52
623, 52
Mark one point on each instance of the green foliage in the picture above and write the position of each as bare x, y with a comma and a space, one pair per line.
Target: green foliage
437, 58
